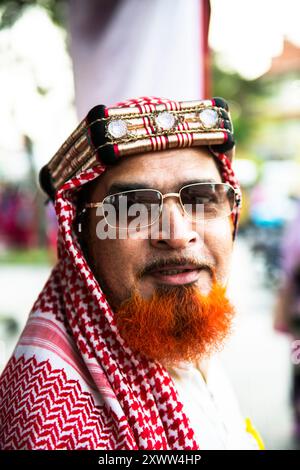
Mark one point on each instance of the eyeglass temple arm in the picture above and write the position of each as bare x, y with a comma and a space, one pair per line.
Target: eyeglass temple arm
93, 204
83, 210
238, 196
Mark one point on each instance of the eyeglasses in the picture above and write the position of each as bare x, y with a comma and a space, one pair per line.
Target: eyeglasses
199, 201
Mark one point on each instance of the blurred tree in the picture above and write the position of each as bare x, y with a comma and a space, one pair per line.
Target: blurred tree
246, 98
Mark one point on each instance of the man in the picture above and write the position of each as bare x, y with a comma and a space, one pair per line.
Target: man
118, 350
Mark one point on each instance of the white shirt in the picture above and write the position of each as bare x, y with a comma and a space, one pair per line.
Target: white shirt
211, 407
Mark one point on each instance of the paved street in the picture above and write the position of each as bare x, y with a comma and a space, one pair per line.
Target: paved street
256, 358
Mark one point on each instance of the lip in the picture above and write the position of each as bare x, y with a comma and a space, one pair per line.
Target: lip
191, 275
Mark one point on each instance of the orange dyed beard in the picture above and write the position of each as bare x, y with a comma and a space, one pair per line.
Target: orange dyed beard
177, 323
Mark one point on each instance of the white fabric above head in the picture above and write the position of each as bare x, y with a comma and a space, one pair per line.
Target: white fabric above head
212, 407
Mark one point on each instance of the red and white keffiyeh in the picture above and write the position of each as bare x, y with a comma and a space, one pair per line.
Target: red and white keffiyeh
72, 383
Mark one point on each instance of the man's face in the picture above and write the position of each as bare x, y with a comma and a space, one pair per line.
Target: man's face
120, 265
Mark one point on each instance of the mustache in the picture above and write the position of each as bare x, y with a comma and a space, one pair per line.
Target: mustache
161, 263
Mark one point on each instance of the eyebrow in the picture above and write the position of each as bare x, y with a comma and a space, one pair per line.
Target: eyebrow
129, 186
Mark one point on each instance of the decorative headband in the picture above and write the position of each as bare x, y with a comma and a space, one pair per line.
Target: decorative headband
106, 134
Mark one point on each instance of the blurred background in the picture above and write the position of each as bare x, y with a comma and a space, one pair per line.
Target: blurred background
60, 58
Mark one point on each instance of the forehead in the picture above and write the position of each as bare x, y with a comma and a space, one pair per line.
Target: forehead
164, 170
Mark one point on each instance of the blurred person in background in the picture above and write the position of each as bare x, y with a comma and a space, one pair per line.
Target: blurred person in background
17, 217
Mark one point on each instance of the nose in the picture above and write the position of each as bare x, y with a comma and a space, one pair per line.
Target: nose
174, 230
